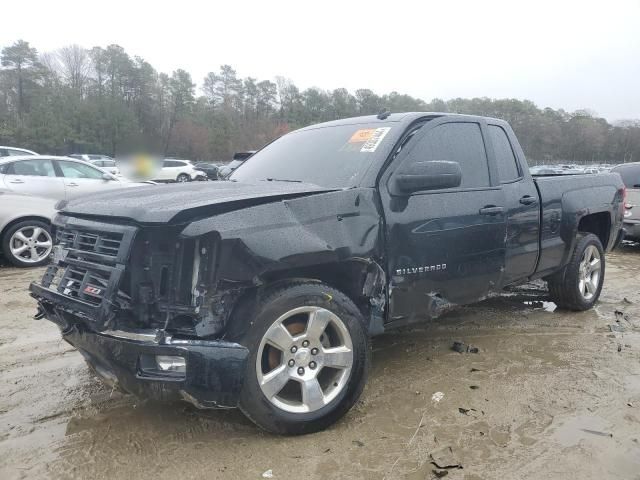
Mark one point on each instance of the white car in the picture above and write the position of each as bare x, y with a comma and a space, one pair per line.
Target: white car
175, 170
15, 152
25, 233
60, 178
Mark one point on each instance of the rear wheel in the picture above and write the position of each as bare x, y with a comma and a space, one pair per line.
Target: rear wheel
27, 243
578, 285
182, 178
309, 359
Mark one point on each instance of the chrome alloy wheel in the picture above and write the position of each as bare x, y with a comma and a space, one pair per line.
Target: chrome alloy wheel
304, 359
589, 272
30, 244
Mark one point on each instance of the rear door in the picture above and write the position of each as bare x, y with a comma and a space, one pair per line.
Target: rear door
34, 177
521, 203
443, 245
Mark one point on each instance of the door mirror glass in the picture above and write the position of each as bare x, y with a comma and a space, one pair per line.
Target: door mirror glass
434, 175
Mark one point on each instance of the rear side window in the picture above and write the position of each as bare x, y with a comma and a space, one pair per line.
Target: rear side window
505, 158
33, 168
171, 164
630, 175
455, 142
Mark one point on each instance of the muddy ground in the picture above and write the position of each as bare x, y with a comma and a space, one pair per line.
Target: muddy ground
550, 394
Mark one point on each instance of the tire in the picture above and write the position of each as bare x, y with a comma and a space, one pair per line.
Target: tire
576, 287
27, 243
183, 178
289, 372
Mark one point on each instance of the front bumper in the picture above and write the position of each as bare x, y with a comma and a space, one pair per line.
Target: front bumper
214, 369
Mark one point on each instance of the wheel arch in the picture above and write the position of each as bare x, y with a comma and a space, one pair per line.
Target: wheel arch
15, 221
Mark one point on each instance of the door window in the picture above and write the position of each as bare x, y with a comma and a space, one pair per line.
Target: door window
80, 170
505, 159
455, 142
35, 168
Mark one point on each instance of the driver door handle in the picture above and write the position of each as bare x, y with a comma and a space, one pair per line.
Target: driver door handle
72, 184
491, 210
528, 200
17, 180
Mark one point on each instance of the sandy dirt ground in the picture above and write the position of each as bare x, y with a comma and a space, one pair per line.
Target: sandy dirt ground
550, 394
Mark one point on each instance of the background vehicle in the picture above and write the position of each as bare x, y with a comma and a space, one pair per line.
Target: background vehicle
108, 166
238, 159
25, 234
15, 152
630, 173
326, 236
210, 170
89, 157
177, 171
56, 177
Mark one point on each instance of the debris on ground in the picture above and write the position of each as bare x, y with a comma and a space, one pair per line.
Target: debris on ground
614, 327
357, 443
462, 347
436, 397
596, 432
626, 300
268, 474
440, 473
474, 387
445, 458
619, 348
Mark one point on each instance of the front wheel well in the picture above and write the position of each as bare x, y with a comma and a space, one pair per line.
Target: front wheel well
22, 219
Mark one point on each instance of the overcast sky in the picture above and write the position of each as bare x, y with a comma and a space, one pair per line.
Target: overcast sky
561, 54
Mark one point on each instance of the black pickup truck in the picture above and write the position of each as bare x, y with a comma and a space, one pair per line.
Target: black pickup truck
262, 291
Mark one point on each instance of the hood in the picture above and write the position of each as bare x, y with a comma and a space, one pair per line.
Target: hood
178, 203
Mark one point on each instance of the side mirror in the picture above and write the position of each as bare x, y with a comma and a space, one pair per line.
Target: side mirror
107, 176
434, 175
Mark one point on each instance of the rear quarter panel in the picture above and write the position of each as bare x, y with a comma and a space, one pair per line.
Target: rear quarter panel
565, 200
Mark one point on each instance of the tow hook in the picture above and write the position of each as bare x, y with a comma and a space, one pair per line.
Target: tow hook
40, 313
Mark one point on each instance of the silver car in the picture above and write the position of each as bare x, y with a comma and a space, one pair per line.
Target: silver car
630, 173
14, 152
25, 235
60, 178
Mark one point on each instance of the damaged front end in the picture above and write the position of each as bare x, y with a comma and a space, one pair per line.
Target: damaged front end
138, 303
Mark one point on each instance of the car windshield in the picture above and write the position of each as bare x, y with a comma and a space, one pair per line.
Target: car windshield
630, 175
334, 157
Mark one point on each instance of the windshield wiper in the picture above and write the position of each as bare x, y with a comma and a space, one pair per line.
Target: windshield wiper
282, 180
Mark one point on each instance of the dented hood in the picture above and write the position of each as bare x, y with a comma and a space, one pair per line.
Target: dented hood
177, 203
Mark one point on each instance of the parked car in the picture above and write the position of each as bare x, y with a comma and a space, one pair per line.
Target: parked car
25, 228
108, 166
89, 157
210, 170
262, 292
56, 177
630, 173
238, 159
15, 152
175, 170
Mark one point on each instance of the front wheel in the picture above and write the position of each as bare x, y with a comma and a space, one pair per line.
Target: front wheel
183, 177
578, 285
309, 358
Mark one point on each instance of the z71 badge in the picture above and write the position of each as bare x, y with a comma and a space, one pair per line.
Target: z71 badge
422, 269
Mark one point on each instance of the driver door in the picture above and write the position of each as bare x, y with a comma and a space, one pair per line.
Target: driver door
81, 178
443, 245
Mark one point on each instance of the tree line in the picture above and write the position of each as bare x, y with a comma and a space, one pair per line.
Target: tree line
103, 100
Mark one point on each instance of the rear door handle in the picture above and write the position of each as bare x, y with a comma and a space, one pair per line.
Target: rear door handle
491, 210
528, 200
17, 180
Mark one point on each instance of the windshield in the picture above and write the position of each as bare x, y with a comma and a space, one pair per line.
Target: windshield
334, 157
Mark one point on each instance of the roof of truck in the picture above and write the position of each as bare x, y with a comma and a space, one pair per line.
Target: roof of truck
406, 118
